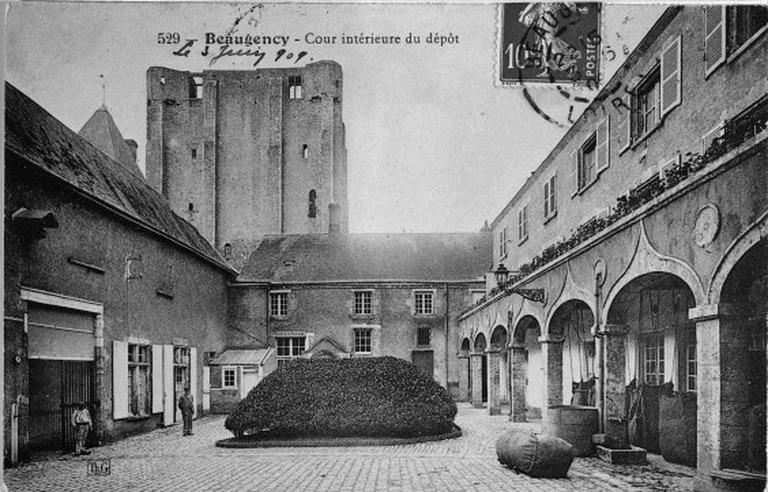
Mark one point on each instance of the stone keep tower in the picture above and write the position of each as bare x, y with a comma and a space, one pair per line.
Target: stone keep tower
241, 154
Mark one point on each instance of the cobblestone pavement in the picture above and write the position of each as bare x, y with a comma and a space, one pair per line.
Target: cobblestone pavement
163, 460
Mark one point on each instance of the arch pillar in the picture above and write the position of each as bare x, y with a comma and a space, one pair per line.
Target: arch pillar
517, 357
721, 390
552, 353
476, 371
613, 343
494, 381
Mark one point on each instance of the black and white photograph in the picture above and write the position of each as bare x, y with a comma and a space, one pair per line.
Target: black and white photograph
385, 246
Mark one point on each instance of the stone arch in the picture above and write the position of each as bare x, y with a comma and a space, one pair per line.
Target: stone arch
465, 346
480, 344
569, 291
757, 231
521, 327
499, 338
570, 327
645, 260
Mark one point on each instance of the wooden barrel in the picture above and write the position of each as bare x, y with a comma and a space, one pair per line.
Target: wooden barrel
574, 424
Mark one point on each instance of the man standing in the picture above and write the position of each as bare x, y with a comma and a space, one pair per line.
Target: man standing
81, 420
187, 407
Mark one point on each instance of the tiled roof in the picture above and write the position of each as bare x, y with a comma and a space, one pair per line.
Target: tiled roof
376, 257
43, 141
242, 357
101, 131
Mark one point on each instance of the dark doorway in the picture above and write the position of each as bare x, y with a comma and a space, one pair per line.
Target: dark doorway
55, 387
425, 360
484, 368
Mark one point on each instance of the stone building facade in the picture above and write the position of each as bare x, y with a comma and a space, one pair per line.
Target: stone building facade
353, 295
645, 230
110, 298
240, 154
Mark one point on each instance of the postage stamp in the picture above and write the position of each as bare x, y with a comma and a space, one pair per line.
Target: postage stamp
549, 43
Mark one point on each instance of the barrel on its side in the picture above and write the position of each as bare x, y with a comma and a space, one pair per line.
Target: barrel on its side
575, 424
537, 455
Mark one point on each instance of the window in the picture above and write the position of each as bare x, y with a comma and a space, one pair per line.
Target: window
423, 302
690, 367
305, 151
550, 202
294, 87
423, 335
196, 87
653, 359
585, 163
522, 223
362, 340
312, 213
646, 107
744, 23
229, 377
289, 348
363, 302
181, 375
278, 303
503, 242
139, 388
194, 152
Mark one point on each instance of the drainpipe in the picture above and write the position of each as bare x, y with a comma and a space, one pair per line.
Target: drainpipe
600, 356
447, 331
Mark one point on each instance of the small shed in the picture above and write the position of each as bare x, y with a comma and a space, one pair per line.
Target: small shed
234, 372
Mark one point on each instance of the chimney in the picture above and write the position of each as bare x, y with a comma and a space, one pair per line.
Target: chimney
333, 218
133, 146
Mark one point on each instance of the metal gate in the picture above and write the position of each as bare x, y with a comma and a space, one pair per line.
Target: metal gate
55, 389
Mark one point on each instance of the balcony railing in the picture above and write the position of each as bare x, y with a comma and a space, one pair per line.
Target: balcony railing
746, 125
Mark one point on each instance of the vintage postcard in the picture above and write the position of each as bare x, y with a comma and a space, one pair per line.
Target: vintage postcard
385, 246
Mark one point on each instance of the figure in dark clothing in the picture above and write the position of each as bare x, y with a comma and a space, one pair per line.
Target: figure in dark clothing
187, 407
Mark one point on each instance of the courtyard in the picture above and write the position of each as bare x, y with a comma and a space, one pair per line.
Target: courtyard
163, 460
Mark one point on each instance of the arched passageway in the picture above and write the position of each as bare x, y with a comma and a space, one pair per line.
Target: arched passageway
572, 324
742, 362
650, 366
497, 370
528, 376
479, 370
465, 378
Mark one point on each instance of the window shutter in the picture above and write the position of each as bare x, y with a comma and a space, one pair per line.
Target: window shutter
575, 158
157, 378
193, 379
546, 199
119, 380
670, 76
623, 136
169, 403
603, 147
714, 37
552, 194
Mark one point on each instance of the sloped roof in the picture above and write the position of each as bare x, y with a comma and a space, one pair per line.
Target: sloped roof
376, 257
43, 141
242, 357
101, 131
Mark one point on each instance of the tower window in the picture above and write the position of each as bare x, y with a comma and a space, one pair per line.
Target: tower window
196, 88
162, 80
312, 205
191, 207
294, 87
194, 152
305, 151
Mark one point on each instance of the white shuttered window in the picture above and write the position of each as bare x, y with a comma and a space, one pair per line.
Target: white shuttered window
603, 144
119, 380
671, 80
714, 37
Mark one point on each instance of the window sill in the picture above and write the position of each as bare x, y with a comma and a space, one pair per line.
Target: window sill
423, 347
521, 241
647, 134
588, 185
423, 315
549, 218
278, 318
362, 315
227, 388
744, 47
134, 418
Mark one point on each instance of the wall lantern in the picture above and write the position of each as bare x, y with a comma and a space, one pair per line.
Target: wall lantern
501, 274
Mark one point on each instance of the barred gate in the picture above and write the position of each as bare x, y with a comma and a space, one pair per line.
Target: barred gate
55, 388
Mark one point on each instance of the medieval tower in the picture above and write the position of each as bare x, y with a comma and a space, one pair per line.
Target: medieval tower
241, 154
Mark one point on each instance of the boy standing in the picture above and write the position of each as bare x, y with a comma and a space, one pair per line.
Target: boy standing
187, 407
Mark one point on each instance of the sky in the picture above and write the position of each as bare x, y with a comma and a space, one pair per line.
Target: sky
434, 144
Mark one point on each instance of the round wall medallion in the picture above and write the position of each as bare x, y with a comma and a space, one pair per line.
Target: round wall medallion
707, 225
